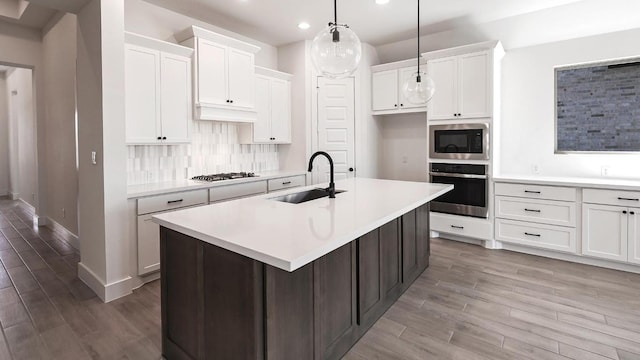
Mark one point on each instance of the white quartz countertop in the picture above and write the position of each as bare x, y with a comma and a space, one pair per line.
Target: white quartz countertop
137, 191
599, 183
289, 236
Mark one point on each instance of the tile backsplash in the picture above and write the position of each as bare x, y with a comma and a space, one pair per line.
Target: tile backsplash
214, 149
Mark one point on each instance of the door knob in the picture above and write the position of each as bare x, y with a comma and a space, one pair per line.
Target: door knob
351, 169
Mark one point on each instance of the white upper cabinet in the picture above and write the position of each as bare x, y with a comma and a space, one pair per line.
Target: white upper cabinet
463, 86
224, 75
273, 107
157, 91
387, 81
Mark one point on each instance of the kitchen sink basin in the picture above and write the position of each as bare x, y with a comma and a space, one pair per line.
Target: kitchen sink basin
304, 196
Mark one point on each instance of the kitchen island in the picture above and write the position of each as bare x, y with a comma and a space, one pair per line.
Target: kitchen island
259, 278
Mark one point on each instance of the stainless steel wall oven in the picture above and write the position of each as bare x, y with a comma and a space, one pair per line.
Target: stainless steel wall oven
470, 195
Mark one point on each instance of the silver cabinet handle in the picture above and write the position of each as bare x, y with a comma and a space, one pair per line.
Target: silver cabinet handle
532, 210
530, 234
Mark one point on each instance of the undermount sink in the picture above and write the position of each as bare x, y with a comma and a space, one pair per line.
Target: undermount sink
304, 196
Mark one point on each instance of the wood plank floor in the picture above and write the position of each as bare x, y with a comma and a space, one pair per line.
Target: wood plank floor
471, 303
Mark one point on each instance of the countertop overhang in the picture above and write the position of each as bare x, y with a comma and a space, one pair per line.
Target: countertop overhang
289, 236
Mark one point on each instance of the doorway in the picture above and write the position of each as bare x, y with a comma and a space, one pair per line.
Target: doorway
335, 128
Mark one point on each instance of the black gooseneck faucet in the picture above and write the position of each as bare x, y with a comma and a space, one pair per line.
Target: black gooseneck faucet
332, 187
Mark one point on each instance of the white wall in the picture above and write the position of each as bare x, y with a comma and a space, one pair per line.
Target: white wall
294, 59
23, 147
157, 22
528, 107
404, 147
59, 60
103, 230
4, 137
22, 46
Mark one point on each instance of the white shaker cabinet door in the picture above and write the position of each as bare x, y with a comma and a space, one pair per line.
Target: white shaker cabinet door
604, 231
384, 90
634, 235
280, 111
404, 75
474, 85
444, 73
176, 98
212, 73
142, 100
241, 78
262, 125
148, 245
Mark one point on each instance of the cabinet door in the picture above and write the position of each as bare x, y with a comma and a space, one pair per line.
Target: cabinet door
280, 111
148, 245
212, 73
370, 297
142, 105
335, 302
175, 79
241, 78
604, 231
474, 82
404, 75
444, 73
262, 124
410, 252
634, 235
391, 252
384, 90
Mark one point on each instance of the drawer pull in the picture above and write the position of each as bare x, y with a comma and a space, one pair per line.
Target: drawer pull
175, 201
286, 183
628, 199
532, 192
530, 234
457, 227
532, 210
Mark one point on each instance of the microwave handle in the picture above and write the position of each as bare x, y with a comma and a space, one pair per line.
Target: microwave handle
466, 176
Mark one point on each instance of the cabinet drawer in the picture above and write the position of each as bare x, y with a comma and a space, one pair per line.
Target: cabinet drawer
536, 191
611, 197
171, 201
536, 235
461, 225
229, 192
285, 183
540, 211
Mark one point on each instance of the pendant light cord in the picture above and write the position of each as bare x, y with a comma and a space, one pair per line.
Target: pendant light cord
335, 12
418, 78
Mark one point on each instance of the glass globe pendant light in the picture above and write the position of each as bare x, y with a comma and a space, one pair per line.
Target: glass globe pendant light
419, 87
336, 50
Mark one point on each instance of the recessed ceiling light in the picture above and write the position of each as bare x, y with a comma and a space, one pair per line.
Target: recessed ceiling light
382, 2
304, 25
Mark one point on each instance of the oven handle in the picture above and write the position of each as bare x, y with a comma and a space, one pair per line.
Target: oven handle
466, 176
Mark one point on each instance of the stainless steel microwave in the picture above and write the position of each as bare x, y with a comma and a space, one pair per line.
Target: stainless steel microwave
459, 141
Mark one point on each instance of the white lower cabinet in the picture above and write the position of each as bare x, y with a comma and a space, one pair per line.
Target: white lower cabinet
550, 237
610, 232
149, 232
537, 216
461, 226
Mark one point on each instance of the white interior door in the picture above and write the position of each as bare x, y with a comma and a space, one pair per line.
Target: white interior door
336, 128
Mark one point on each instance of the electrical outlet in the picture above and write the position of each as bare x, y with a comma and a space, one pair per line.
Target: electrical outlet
605, 170
535, 169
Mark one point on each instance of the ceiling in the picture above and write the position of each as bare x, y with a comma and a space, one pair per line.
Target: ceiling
275, 21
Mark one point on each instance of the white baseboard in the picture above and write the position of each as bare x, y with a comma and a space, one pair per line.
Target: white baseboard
14, 196
572, 258
67, 235
106, 292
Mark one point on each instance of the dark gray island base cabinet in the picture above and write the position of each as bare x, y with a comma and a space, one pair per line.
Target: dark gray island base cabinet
217, 304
